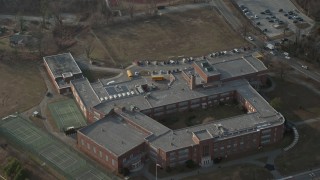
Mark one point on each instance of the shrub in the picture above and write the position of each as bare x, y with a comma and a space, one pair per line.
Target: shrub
190, 163
22, 174
12, 167
125, 171
168, 169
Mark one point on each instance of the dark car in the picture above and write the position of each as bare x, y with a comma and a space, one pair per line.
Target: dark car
262, 13
271, 21
295, 21
265, 30
258, 23
280, 10
285, 14
289, 17
267, 11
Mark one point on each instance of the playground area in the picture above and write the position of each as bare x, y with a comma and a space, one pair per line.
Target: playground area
66, 114
47, 148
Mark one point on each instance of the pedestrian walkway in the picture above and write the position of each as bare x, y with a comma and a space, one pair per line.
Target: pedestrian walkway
295, 140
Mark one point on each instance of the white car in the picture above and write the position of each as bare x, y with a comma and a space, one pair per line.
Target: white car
287, 57
250, 38
256, 17
286, 54
305, 67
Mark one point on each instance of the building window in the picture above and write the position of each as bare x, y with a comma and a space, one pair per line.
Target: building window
82, 142
94, 150
131, 156
88, 145
205, 150
100, 154
124, 160
112, 162
107, 158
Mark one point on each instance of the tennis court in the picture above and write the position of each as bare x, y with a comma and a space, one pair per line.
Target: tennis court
19, 128
59, 157
66, 114
49, 149
92, 175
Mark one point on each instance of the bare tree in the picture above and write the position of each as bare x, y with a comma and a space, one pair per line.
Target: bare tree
131, 8
44, 10
283, 69
105, 10
151, 7
89, 47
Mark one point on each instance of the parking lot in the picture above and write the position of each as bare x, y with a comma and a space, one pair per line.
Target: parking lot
273, 16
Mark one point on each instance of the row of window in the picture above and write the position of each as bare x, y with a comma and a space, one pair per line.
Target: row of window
95, 152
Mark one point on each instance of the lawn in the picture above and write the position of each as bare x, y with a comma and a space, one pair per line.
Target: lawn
305, 155
198, 116
191, 33
245, 172
22, 86
298, 102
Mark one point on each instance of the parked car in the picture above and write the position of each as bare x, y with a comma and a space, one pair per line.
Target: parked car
250, 38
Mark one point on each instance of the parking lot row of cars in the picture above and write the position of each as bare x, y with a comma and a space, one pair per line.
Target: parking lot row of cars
191, 59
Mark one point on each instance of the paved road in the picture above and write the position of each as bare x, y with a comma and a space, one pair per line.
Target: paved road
294, 63
309, 174
66, 18
227, 14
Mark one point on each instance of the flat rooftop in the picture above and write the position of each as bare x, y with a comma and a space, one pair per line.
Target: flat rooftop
238, 67
62, 63
114, 133
137, 93
265, 116
86, 93
207, 68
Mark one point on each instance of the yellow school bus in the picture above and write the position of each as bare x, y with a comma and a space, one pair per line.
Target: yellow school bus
129, 73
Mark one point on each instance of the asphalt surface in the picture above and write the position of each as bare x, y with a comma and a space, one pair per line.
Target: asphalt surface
257, 6
309, 174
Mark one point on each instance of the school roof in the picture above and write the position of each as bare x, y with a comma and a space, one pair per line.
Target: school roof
132, 93
62, 63
115, 134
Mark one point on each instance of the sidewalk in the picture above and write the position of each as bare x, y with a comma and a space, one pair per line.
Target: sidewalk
246, 160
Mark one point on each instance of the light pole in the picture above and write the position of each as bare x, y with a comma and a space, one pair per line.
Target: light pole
157, 165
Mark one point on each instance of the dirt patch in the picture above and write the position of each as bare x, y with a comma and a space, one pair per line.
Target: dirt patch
21, 85
191, 33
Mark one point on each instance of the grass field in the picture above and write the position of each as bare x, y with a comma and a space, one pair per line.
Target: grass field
66, 114
305, 155
245, 172
295, 106
191, 33
199, 116
21, 86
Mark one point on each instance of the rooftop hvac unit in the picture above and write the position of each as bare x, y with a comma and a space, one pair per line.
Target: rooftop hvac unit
132, 92
128, 93
115, 96
123, 94
110, 97
119, 95
106, 98
101, 99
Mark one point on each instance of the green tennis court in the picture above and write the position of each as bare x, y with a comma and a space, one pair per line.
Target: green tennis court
66, 114
49, 149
